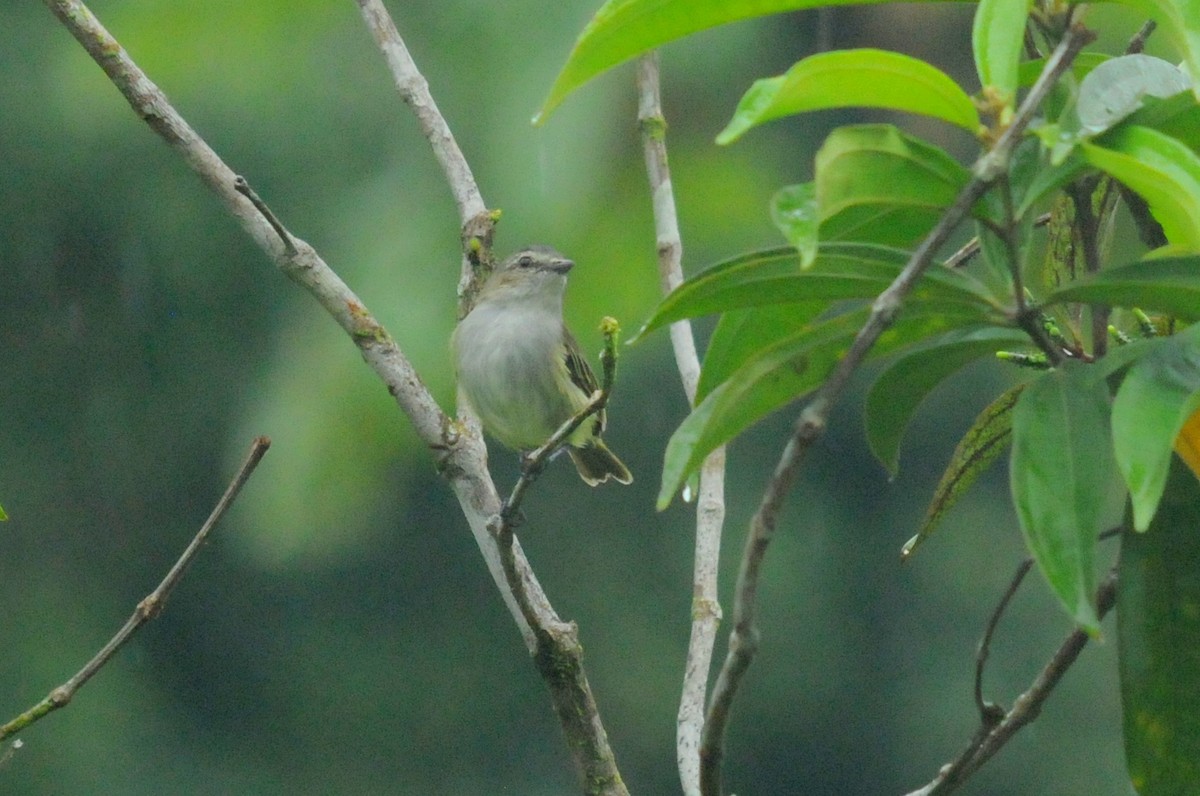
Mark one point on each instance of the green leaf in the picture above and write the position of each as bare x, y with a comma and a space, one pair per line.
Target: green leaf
794, 212
877, 184
1118, 87
984, 441
624, 29
1168, 284
895, 396
1158, 633
1158, 395
741, 334
1163, 170
1179, 23
1028, 72
1061, 477
998, 37
784, 371
854, 78
3, 516
841, 271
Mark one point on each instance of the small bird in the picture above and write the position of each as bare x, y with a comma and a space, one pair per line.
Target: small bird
521, 368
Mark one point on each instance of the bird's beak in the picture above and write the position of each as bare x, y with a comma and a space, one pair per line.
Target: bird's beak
560, 265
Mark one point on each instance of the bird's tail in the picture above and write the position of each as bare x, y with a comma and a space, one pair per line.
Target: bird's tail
596, 464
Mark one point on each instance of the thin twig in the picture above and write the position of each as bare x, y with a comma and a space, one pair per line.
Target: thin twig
148, 608
558, 653
988, 710
535, 461
810, 425
1025, 709
710, 506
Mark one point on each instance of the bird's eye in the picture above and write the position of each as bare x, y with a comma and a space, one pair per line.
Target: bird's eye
525, 261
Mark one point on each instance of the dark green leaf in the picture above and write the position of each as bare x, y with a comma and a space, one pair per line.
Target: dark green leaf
841, 271
987, 438
1028, 72
1158, 395
1158, 635
741, 334
895, 396
787, 370
854, 78
1061, 475
1168, 284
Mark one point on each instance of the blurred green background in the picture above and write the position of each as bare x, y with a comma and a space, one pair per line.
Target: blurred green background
341, 634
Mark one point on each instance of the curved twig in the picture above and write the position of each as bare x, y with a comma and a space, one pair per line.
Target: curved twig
149, 608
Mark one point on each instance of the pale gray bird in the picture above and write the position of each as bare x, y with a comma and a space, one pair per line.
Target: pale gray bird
522, 370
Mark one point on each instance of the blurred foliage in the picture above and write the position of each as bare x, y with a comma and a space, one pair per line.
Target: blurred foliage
341, 634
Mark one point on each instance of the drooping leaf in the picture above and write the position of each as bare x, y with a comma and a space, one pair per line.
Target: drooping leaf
1162, 170
1158, 631
841, 271
998, 38
854, 78
624, 29
875, 183
1061, 476
794, 212
789, 369
895, 396
1167, 284
1159, 394
984, 441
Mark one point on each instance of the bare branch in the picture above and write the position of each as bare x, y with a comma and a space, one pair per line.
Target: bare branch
460, 450
477, 222
810, 425
148, 608
710, 507
1025, 709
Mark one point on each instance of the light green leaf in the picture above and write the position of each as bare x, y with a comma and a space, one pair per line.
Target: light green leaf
3, 516
877, 184
784, 371
794, 212
1158, 395
1158, 634
895, 396
841, 271
1170, 285
1163, 170
1061, 476
624, 29
1118, 87
983, 443
854, 78
998, 38
1179, 22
